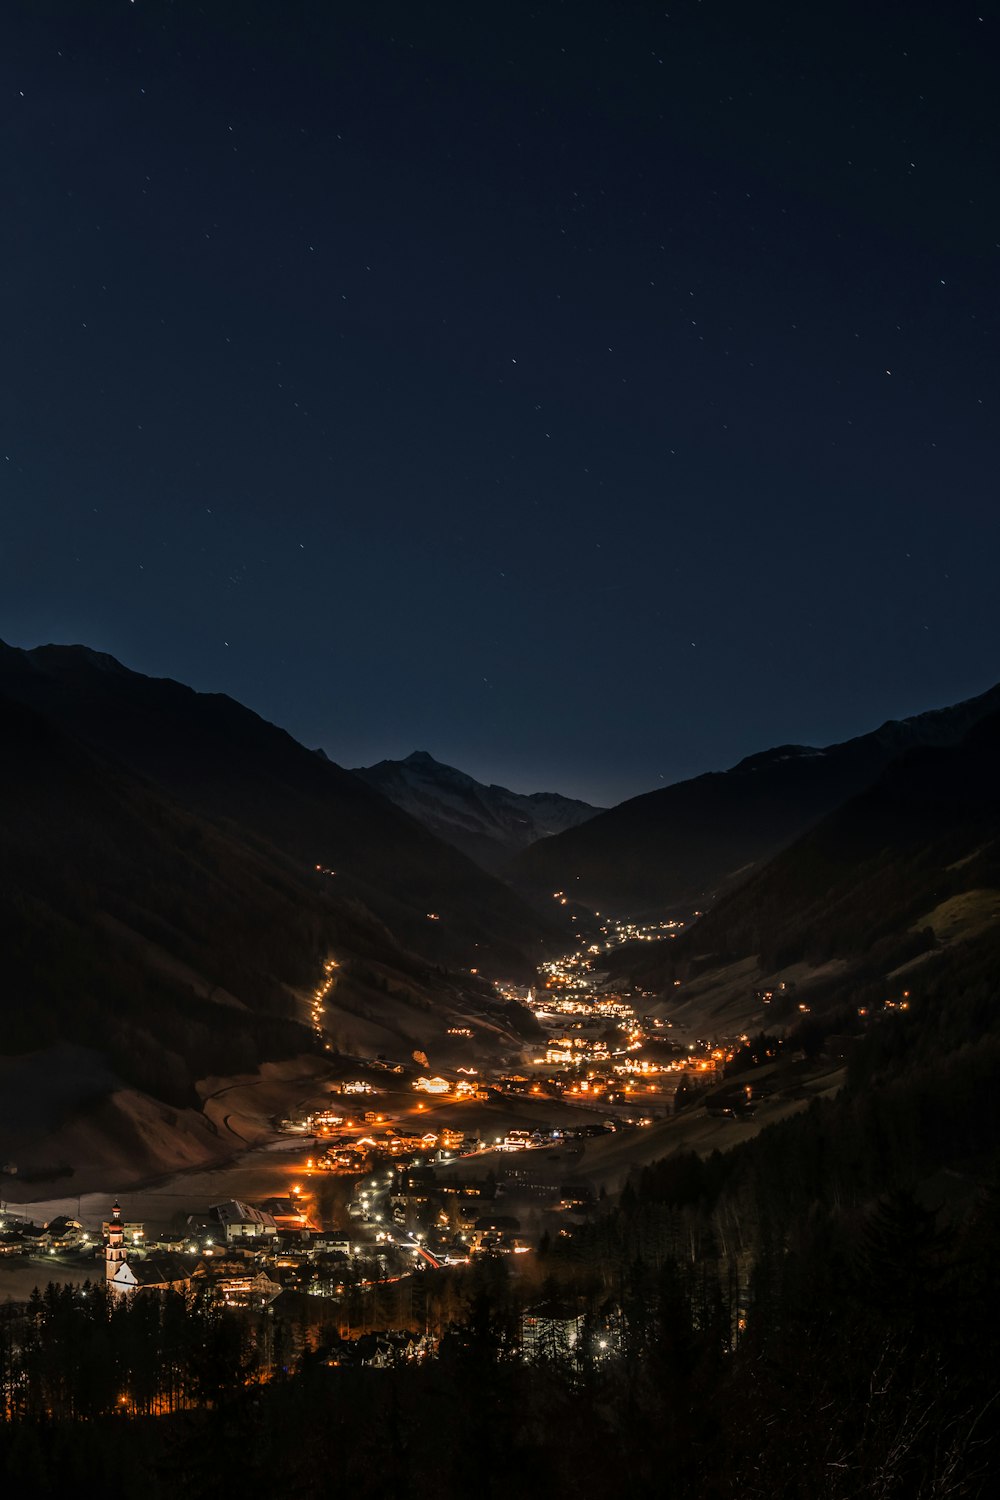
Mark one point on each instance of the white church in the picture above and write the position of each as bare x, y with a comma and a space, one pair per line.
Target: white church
123, 1274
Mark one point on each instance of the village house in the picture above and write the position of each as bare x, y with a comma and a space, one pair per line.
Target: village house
242, 1221
246, 1290
286, 1213
329, 1241
497, 1233
64, 1233
152, 1273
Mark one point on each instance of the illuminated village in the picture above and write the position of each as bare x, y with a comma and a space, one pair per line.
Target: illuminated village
392, 1180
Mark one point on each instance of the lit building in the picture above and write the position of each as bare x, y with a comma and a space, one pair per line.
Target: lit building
114, 1244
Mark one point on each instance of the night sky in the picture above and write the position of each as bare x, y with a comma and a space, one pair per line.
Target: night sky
588, 394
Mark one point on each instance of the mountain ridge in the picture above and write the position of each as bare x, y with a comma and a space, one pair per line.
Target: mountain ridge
675, 848
221, 759
899, 881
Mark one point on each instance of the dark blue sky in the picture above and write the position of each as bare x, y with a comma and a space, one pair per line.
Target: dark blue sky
586, 398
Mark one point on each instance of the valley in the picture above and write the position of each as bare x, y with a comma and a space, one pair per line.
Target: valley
546, 1133
203, 949
363, 1102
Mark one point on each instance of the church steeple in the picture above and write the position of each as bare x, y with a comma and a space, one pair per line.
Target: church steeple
114, 1249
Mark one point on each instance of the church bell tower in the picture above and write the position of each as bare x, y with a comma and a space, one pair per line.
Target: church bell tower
114, 1249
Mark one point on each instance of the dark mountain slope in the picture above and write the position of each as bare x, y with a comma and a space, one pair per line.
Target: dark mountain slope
102, 875
145, 947
901, 873
488, 823
138, 928
223, 762
678, 847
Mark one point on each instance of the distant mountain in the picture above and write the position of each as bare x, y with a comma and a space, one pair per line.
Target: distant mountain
488, 823
678, 847
899, 884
